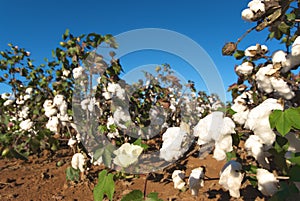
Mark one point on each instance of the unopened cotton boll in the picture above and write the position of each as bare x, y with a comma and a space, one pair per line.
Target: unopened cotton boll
172, 148
231, 178
178, 179
247, 15
266, 181
78, 162
26, 124
196, 180
245, 68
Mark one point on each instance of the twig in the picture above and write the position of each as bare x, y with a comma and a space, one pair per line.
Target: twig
145, 185
244, 35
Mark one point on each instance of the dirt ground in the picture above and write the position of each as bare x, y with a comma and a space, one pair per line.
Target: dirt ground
40, 178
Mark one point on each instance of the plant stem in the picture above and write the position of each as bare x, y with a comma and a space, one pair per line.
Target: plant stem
145, 185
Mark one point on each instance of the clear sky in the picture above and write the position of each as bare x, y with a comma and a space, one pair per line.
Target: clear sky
38, 26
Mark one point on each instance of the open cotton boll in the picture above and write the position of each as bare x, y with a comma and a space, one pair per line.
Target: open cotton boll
282, 88
231, 178
296, 48
127, 154
258, 120
78, 162
84, 103
178, 179
266, 181
26, 124
256, 5
58, 100
247, 15
245, 68
121, 116
251, 51
72, 142
172, 144
5, 96
78, 72
255, 148
222, 146
52, 124
8, 102
196, 180
263, 81
279, 57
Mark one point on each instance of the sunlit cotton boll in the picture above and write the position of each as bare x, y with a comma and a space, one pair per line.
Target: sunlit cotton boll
282, 88
256, 5
251, 51
5, 96
50, 109
247, 15
8, 102
178, 179
127, 154
213, 127
72, 142
58, 100
172, 144
240, 107
266, 181
26, 124
78, 72
279, 57
222, 146
196, 180
121, 117
245, 68
84, 103
29, 90
231, 178
263, 81
78, 162
258, 120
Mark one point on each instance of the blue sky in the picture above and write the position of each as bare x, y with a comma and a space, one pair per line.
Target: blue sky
38, 26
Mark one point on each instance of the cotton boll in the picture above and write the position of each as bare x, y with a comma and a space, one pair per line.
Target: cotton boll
196, 180
291, 62
251, 51
247, 15
256, 5
8, 102
282, 88
296, 48
5, 96
52, 124
263, 81
254, 147
279, 57
29, 90
264, 49
78, 162
127, 154
222, 146
231, 178
178, 179
26, 124
78, 72
172, 148
121, 116
84, 103
58, 100
72, 142
266, 181
245, 69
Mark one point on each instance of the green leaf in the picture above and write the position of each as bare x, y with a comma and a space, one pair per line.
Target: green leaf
287, 191
72, 174
284, 28
274, 116
295, 158
291, 16
141, 144
294, 173
105, 186
65, 35
135, 195
293, 114
153, 196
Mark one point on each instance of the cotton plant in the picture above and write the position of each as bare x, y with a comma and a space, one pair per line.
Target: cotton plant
218, 129
231, 178
78, 162
196, 180
254, 7
267, 182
